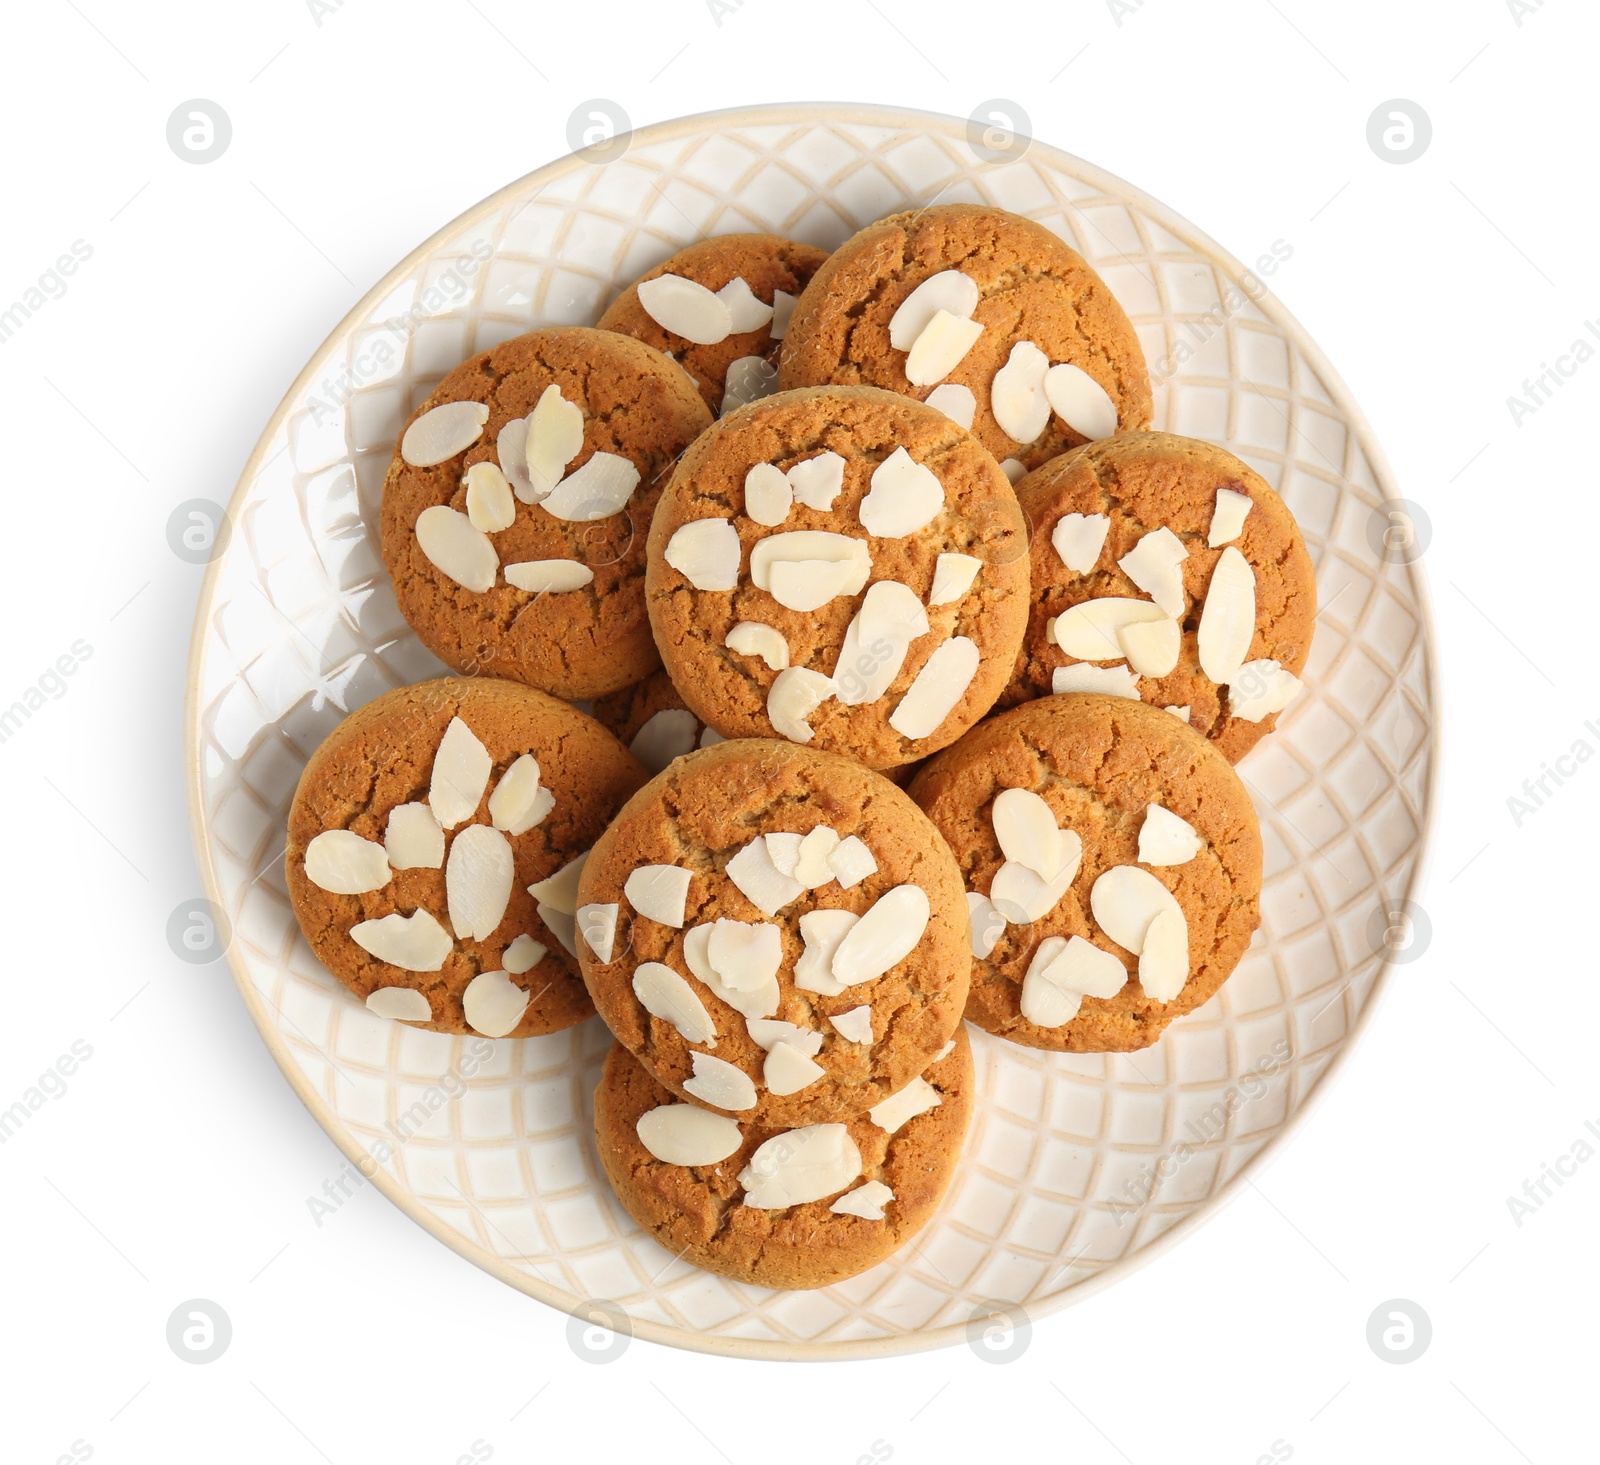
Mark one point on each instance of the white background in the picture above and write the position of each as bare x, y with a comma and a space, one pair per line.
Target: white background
177, 1163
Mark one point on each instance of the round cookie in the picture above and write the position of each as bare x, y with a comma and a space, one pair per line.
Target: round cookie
1098, 764
707, 841
386, 868
1026, 286
774, 271
764, 527
651, 720
1147, 483
574, 624
700, 1211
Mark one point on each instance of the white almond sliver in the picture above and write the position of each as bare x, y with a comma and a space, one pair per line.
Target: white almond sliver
942, 682
1044, 1003
822, 931
1125, 899
884, 936
523, 955
985, 924
748, 379
1152, 565
666, 995
416, 942
811, 867
597, 924
515, 799
343, 863
549, 577
490, 504
1228, 617
511, 447
1062, 973
1227, 518
782, 309
1109, 681
1089, 630
950, 291
1164, 962
437, 436
940, 347
753, 638
684, 1134
413, 839
1084, 967
760, 881
745, 955
854, 1026
1080, 401
788, 1070
1014, 469
563, 925
784, 849
1017, 396
795, 695
560, 890
720, 1084
493, 1004
1181, 713
813, 551
706, 553
765, 1033
956, 402
817, 481
917, 1097
866, 1201
1260, 688
1026, 829
686, 308
876, 642
456, 549
599, 489
554, 438
953, 575
666, 735
403, 1004
659, 892
851, 862
461, 771
759, 1002
799, 1166
745, 312
1021, 897
1165, 839
807, 585
477, 881
1152, 647
768, 494
1078, 540
905, 496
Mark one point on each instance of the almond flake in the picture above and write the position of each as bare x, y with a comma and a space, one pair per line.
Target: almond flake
1062, 973
820, 565
985, 924
1044, 1003
416, 942
788, 1070
760, 881
866, 1201
753, 638
854, 1026
800, 1166
817, 481
403, 1004
683, 1134
1181, 713
560, 890
413, 839
1164, 962
917, 1097
746, 312
795, 695
461, 770
1152, 565
659, 892
706, 553
563, 925
437, 436
953, 575
905, 496
940, 347
1089, 630
851, 862
766, 1032
956, 402
1021, 897
549, 577
822, 931
599, 489
1260, 688
490, 505
511, 447
1152, 647
1228, 617
666, 735
939, 686
456, 549
1165, 839
1125, 899
1026, 829
664, 994
1227, 518
597, 924
784, 850
1017, 396
949, 291
553, 439
686, 308
945, 1051
477, 881
745, 955
493, 1004
523, 955
1109, 681
1080, 401
876, 642
720, 1084
884, 936
1078, 539
515, 800
1014, 469
811, 867
748, 379
768, 494
343, 863
709, 737
782, 309
758, 1002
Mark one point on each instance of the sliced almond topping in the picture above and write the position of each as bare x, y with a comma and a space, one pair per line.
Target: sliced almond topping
1021, 897
854, 1026
939, 686
1260, 688
1228, 617
950, 291
956, 402
753, 638
1152, 647
748, 379
1125, 899
1181, 713
884, 936
784, 849
822, 931
597, 924
549, 577
493, 1004
795, 695
403, 1004
1084, 967
1089, 630
811, 867
523, 955
939, 349
490, 505
477, 881
344, 863
806, 568
1109, 681
788, 1070
1165, 839
1080, 401
560, 890
745, 312
1152, 565
416, 942
1017, 397
413, 839
1227, 518
758, 1002
666, 735
659, 892
1045, 1003
1062, 973
799, 1166
760, 881
1164, 962
686, 308
456, 549
817, 481
1078, 539
917, 1097
766, 1032
782, 309
511, 447
554, 438
986, 924
563, 925
866, 1201
876, 642
706, 553
851, 862
437, 436
768, 494
599, 489
745, 955
514, 804
953, 575
720, 1084
461, 771
905, 496
682, 1134
1014, 469
664, 994
1028, 833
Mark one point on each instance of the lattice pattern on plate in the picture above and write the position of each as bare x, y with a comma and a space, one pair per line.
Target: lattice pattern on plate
1076, 1165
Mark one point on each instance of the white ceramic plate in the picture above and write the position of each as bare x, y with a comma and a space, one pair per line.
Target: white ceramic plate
1078, 1167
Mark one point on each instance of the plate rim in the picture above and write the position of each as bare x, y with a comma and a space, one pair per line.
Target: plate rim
670, 1334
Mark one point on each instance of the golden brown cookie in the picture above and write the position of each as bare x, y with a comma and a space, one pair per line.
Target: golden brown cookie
1183, 500
1081, 822
1037, 301
775, 932
843, 565
773, 270
555, 598
650, 718
889, 1177
382, 888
